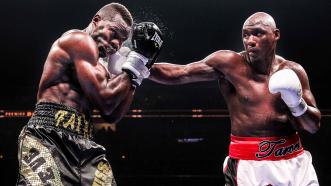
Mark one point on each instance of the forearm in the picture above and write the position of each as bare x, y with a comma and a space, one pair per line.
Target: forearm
114, 92
166, 73
295, 92
121, 109
310, 120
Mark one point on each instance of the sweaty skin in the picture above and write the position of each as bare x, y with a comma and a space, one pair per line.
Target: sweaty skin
243, 80
72, 75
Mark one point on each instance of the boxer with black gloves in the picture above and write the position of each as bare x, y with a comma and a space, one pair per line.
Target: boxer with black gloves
56, 146
269, 101
146, 44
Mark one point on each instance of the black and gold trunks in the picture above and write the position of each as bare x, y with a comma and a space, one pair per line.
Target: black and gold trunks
56, 148
62, 117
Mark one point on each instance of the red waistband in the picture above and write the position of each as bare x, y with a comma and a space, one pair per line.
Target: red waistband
265, 148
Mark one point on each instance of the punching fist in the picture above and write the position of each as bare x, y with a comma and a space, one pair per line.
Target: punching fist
147, 40
287, 83
146, 45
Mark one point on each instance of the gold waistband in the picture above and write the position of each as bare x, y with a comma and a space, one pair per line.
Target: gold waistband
63, 117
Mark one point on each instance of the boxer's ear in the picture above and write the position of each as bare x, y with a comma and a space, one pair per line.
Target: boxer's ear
96, 19
277, 34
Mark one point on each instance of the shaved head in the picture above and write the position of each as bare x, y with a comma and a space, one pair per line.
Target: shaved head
111, 11
260, 18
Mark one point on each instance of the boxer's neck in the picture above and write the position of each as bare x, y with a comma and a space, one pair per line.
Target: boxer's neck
89, 29
264, 66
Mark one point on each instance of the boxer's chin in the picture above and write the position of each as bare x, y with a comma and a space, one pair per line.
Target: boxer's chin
253, 58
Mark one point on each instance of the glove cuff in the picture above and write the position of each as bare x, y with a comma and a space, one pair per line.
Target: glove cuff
300, 109
134, 54
135, 67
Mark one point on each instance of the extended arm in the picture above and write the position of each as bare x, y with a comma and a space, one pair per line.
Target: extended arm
170, 74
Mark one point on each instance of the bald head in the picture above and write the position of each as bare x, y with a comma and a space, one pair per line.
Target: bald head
260, 18
113, 10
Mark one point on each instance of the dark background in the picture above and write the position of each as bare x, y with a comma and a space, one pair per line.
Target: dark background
193, 29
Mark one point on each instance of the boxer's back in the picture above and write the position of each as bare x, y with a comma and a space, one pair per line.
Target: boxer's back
253, 110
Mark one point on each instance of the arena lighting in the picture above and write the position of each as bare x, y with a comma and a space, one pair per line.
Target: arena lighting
189, 140
138, 113
157, 113
15, 114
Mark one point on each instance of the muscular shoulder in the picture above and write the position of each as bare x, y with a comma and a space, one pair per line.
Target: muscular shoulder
79, 45
296, 67
290, 64
223, 58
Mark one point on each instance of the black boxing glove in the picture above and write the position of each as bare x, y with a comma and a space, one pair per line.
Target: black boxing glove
147, 40
146, 45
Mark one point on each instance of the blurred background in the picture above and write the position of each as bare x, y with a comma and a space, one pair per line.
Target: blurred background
173, 135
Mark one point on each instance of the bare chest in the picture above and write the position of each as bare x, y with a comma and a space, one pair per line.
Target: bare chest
252, 95
252, 92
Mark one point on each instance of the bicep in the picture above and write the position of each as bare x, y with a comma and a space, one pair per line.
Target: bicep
104, 93
200, 71
87, 75
91, 80
168, 73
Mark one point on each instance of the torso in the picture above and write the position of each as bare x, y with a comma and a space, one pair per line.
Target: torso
254, 111
59, 83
